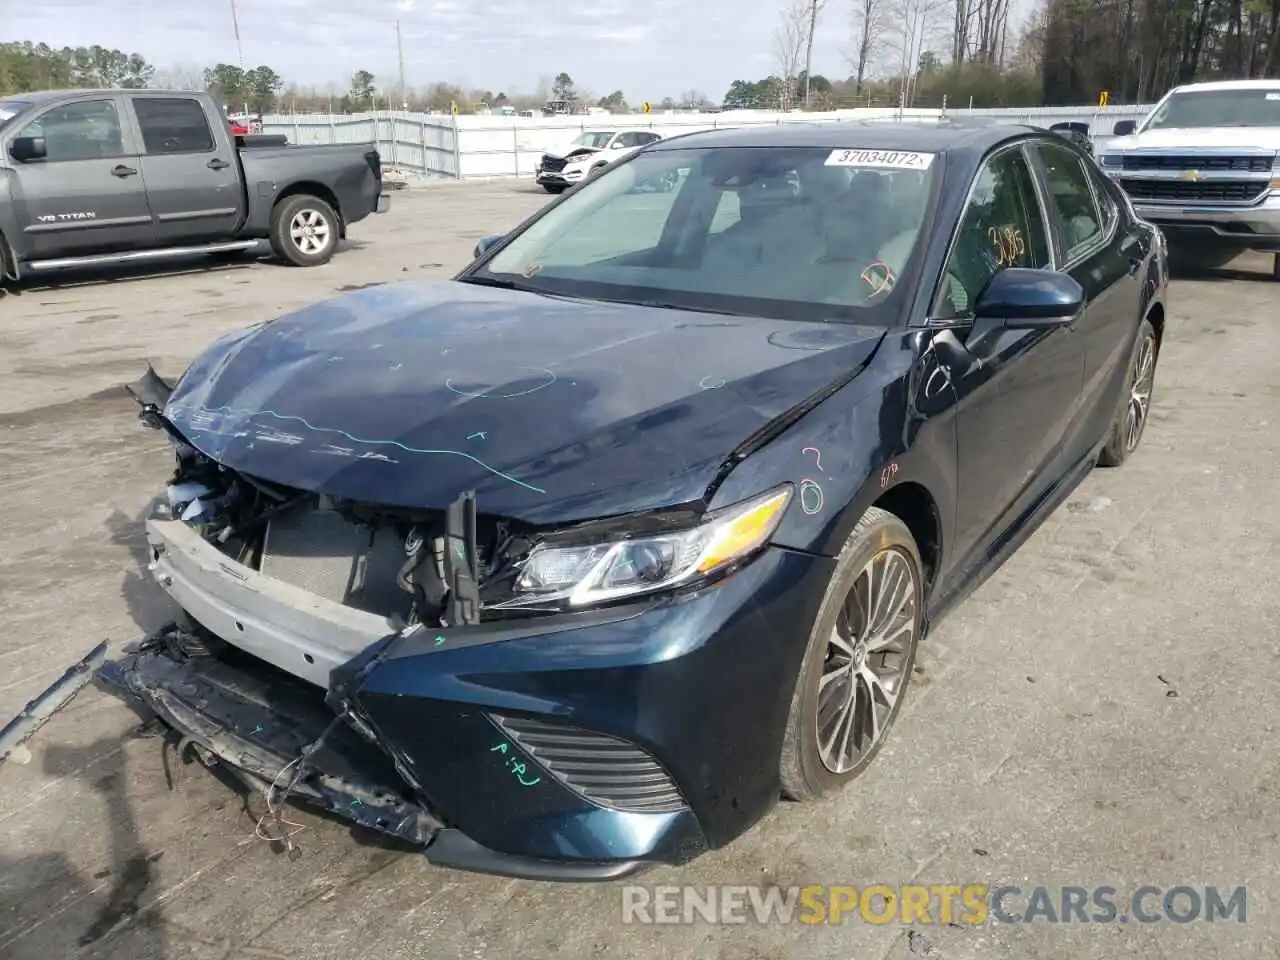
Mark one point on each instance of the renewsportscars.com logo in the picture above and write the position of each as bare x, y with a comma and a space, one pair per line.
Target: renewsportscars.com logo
969, 904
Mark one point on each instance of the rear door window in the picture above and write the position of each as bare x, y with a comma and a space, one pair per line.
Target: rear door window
173, 125
1070, 197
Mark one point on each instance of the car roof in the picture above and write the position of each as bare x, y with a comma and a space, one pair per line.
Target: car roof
44, 96
943, 135
1273, 84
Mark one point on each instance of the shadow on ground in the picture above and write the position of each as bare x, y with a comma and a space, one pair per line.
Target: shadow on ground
45, 901
148, 606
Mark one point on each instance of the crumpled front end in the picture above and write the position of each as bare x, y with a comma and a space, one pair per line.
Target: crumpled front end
383, 663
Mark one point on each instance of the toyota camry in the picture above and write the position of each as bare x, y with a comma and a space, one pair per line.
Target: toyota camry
580, 561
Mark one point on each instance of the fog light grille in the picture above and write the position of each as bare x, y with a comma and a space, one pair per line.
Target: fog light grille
608, 771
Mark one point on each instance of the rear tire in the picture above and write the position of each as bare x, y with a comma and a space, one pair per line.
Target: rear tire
1131, 419
304, 230
855, 674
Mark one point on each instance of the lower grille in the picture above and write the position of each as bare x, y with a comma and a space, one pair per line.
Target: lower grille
607, 771
1211, 191
552, 164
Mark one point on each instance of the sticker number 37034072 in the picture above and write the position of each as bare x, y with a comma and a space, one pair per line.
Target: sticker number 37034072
892, 159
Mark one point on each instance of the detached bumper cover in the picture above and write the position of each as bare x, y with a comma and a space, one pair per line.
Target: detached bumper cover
573, 746
254, 729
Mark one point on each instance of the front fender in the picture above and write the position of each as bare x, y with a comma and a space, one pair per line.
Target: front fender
872, 436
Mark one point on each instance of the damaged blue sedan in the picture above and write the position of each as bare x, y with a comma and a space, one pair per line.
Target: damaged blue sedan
578, 562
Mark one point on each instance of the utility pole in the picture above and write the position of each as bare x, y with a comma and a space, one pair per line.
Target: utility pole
235, 25
404, 100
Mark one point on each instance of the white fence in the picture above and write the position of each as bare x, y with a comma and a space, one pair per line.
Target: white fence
488, 146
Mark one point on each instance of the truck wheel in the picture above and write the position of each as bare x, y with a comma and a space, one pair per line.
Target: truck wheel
304, 231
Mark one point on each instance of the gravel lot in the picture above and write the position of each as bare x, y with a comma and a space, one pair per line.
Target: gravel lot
1102, 712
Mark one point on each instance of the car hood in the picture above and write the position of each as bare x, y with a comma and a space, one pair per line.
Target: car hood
561, 153
552, 410
1263, 138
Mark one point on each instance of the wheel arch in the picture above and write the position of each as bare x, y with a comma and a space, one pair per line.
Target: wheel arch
1156, 314
9, 266
913, 504
313, 188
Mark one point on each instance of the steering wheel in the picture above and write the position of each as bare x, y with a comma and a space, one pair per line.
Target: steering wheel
879, 276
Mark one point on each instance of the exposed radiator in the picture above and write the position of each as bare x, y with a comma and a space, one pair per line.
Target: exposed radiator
327, 555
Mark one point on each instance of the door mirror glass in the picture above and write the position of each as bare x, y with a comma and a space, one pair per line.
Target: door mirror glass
27, 149
1124, 127
1023, 298
485, 245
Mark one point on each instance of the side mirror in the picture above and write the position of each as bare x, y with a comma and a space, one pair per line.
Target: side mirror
485, 245
26, 149
616, 145
1018, 298
1124, 127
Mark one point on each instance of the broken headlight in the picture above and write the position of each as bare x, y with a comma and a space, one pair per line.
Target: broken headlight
583, 573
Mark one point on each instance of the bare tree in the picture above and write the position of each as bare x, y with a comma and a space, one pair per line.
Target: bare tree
181, 77
868, 21
789, 42
990, 23
910, 27
815, 8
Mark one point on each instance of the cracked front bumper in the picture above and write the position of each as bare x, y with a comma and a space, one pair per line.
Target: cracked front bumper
567, 746
256, 726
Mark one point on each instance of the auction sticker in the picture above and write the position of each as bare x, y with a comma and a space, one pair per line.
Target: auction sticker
891, 159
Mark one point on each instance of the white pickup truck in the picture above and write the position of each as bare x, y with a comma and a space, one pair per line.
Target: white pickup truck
1204, 166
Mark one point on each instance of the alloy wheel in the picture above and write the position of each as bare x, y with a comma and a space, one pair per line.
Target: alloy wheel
1144, 375
867, 658
309, 231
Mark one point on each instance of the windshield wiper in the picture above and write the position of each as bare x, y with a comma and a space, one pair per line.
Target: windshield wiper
666, 305
494, 282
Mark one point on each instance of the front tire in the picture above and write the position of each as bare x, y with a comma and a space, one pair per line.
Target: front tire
552, 188
858, 663
304, 231
1131, 419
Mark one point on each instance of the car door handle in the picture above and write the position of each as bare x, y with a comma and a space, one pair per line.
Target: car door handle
121, 171
216, 164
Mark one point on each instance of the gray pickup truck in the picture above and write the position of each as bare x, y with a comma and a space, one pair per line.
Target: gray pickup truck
104, 176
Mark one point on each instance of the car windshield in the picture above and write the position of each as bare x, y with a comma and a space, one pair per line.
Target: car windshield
10, 109
792, 233
594, 138
1218, 108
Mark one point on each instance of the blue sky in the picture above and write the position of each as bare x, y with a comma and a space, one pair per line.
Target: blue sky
649, 50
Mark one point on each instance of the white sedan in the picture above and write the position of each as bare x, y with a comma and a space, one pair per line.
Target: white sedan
590, 152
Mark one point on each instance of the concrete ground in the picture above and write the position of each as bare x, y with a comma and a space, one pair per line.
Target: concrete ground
1102, 712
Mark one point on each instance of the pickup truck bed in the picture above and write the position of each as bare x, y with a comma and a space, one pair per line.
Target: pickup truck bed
100, 176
